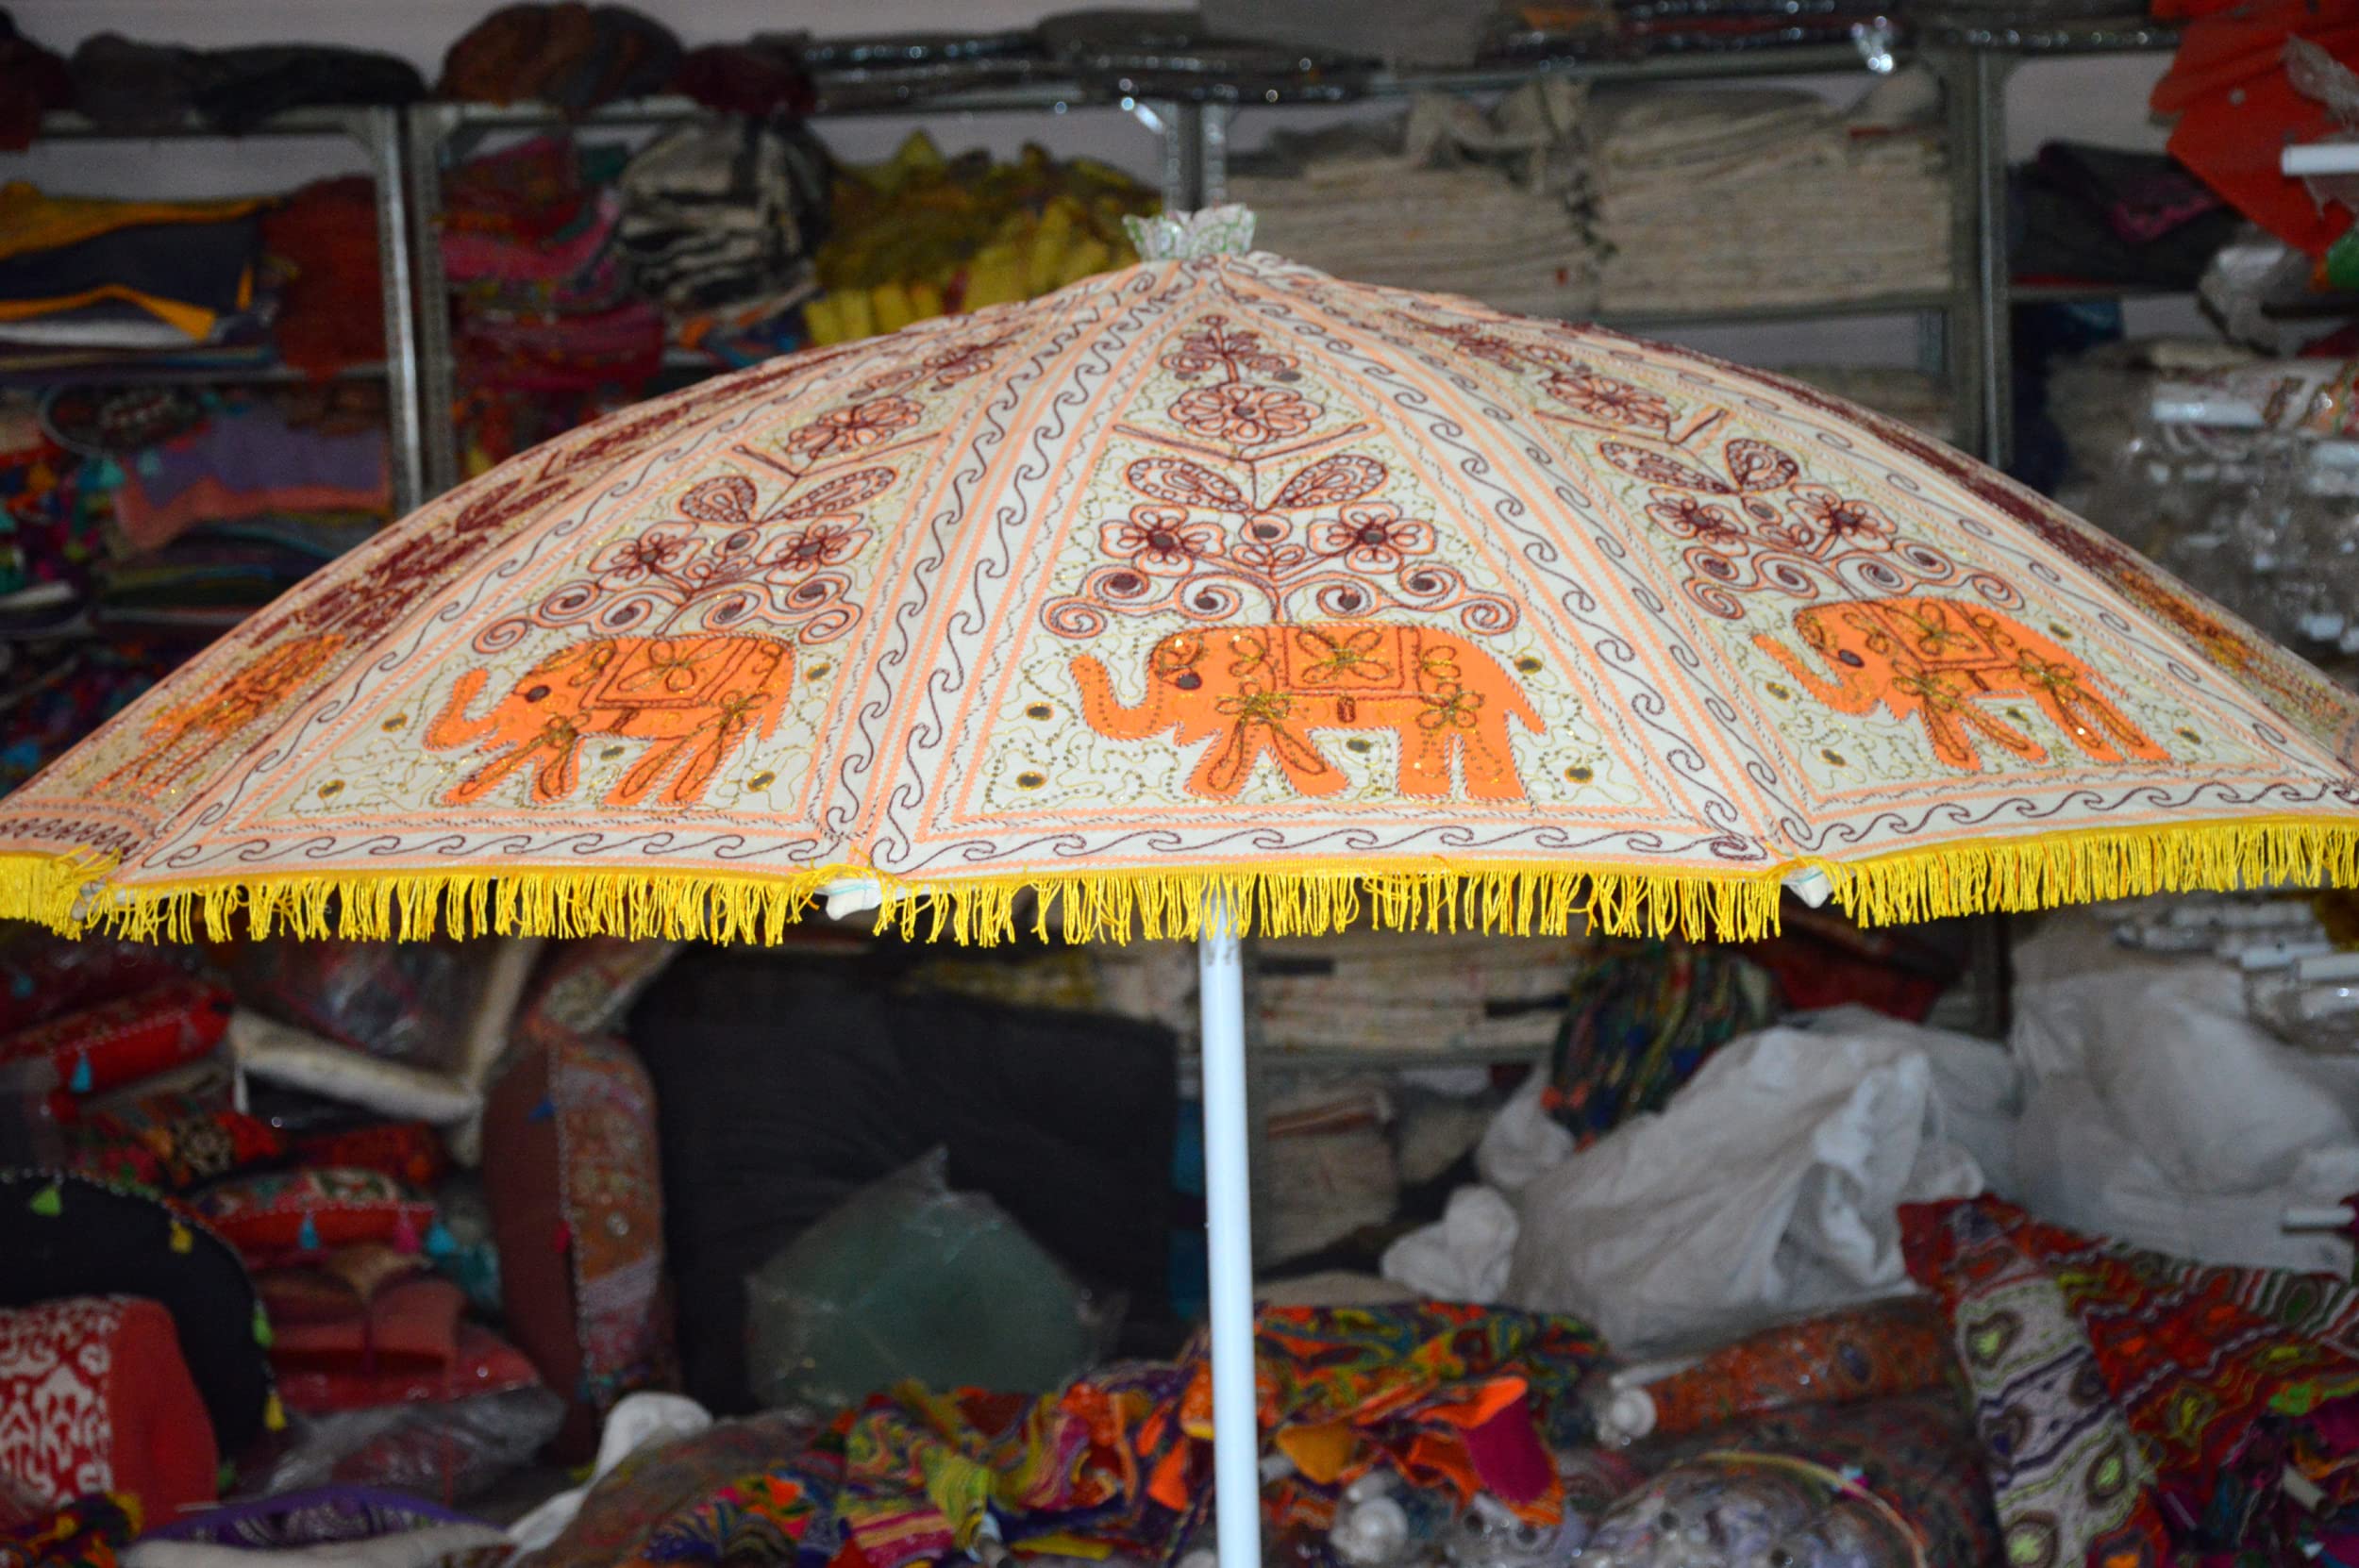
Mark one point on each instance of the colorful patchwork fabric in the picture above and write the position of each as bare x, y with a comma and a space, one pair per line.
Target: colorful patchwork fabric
1120, 1461
1640, 1017
84, 1534
1447, 1394
657, 1481
2130, 1409
1207, 576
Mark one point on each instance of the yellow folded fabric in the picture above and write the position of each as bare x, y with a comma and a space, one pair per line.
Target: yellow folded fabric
194, 320
31, 219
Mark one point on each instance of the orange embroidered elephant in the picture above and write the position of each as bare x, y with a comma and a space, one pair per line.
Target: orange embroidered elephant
1939, 659
696, 697
180, 739
1256, 690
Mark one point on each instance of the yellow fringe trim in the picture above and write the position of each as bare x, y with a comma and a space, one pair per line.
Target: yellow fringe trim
2012, 875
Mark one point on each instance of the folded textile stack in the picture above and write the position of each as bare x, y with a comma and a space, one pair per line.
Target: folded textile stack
919, 236
1416, 992
546, 328
122, 290
2113, 215
1449, 198
719, 219
131, 86
86, 282
1710, 201
160, 507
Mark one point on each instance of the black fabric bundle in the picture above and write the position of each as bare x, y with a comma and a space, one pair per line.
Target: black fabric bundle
784, 1088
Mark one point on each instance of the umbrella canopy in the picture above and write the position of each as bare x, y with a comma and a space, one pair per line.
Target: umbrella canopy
1211, 577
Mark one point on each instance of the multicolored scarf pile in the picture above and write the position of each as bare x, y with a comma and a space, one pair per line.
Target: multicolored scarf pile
1641, 1018
2133, 1407
83, 1534
1449, 1395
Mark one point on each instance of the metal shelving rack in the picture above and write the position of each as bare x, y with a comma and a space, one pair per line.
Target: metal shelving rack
378, 133
1974, 63
1964, 328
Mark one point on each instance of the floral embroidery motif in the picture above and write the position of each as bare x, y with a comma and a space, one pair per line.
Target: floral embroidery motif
1244, 415
851, 428
1937, 660
1319, 542
1604, 398
1261, 691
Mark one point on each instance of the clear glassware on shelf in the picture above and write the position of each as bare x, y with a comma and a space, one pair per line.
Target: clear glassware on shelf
2312, 1003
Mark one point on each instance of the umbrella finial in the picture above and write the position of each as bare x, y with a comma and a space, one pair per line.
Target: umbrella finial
1183, 236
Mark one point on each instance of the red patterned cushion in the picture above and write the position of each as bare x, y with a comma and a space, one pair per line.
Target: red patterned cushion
170, 1144
43, 976
411, 1325
483, 1364
411, 1151
119, 1041
294, 1211
94, 1397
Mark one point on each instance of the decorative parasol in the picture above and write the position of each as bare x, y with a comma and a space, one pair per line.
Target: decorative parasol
1206, 596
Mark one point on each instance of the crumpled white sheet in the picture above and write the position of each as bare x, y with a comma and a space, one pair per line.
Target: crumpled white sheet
636, 1420
1815, 1131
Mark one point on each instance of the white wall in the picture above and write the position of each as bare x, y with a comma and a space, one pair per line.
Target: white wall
2099, 100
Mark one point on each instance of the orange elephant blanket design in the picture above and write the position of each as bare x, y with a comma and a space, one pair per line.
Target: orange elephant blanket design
698, 698
183, 736
1262, 689
1938, 661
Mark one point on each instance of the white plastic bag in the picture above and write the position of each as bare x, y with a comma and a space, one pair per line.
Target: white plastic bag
2077, 1167
1465, 1256
1766, 1187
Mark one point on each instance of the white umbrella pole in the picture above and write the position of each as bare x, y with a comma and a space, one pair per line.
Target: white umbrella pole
1229, 1237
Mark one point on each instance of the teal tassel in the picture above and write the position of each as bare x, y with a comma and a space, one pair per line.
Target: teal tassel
80, 1081
440, 1243
309, 1236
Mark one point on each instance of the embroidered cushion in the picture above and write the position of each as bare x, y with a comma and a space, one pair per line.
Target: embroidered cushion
307, 1210
576, 1204
481, 1362
586, 987
95, 1396
410, 1151
42, 977
121, 1042
171, 1141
